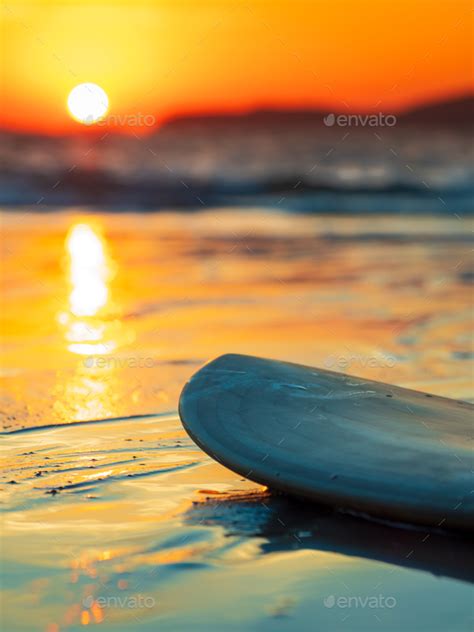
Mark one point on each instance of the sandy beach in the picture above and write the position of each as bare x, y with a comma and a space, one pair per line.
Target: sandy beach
112, 516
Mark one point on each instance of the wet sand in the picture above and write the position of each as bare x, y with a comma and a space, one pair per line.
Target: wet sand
125, 523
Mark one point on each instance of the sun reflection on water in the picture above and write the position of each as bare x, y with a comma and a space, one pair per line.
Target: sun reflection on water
89, 271
91, 325
90, 322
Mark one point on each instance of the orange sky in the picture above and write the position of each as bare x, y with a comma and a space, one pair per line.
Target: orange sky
170, 57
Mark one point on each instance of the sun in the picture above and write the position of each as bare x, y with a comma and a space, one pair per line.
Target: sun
87, 103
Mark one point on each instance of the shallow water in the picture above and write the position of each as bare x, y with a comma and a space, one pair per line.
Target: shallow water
126, 523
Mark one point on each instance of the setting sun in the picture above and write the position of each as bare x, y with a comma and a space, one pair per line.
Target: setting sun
87, 103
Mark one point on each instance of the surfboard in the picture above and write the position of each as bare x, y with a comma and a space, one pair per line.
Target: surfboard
360, 445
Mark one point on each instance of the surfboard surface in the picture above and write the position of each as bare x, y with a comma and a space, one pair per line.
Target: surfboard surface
353, 443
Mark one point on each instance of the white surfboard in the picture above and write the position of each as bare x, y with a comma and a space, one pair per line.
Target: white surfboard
353, 443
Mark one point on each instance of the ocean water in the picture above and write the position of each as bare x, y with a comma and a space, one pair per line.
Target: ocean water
286, 163
112, 516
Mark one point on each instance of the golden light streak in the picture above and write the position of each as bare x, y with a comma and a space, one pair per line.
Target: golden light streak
89, 271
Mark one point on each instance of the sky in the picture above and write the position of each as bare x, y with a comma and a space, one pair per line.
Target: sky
168, 58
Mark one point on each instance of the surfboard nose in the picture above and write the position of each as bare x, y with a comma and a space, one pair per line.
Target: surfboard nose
350, 442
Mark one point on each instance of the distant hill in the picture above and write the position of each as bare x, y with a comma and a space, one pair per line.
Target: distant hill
454, 113
256, 118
